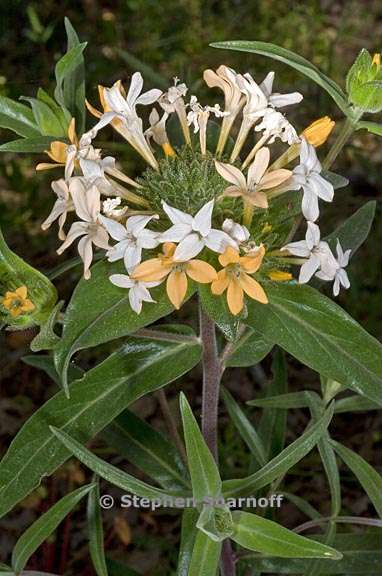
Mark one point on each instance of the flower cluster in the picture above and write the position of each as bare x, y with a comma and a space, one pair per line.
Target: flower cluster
114, 212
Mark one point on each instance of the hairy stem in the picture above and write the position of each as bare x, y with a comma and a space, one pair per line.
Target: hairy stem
211, 385
343, 136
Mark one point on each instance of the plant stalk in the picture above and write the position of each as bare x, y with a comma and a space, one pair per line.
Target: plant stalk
343, 136
210, 402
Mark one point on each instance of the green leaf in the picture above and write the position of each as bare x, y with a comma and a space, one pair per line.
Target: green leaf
47, 339
45, 362
118, 569
99, 311
74, 83
355, 403
291, 59
256, 533
336, 180
136, 369
205, 556
46, 119
245, 428
18, 118
217, 309
187, 540
361, 555
33, 145
281, 463
65, 69
353, 232
372, 127
321, 335
147, 449
369, 478
302, 399
40, 530
56, 108
272, 426
302, 505
205, 478
107, 471
249, 350
96, 541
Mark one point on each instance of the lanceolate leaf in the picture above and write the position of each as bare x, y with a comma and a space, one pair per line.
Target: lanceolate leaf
99, 311
291, 59
353, 232
18, 118
147, 449
301, 399
74, 84
107, 471
217, 309
205, 556
369, 478
204, 473
65, 68
321, 335
40, 530
256, 533
32, 145
137, 368
187, 540
283, 462
250, 349
95, 529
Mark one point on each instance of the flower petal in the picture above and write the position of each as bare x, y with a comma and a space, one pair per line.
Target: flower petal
229, 256
115, 229
309, 268
201, 271
231, 174
253, 288
188, 248
220, 284
121, 280
252, 263
235, 297
132, 256
176, 287
274, 178
177, 216
151, 270
258, 167
217, 241
202, 219
309, 205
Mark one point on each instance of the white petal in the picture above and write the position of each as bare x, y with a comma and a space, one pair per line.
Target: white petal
149, 97
118, 251
115, 229
309, 205
267, 83
135, 224
258, 167
322, 187
132, 256
77, 229
121, 280
281, 100
202, 220
148, 239
308, 269
231, 174
176, 233
217, 241
177, 216
85, 250
336, 286
343, 278
312, 235
188, 248
135, 88
135, 300
299, 248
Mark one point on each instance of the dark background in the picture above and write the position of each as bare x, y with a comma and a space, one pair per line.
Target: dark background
172, 38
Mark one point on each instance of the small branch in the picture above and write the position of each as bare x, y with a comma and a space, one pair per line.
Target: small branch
165, 336
339, 520
227, 559
230, 347
170, 422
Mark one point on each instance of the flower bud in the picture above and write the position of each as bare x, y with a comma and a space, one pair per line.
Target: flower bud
27, 297
364, 82
318, 132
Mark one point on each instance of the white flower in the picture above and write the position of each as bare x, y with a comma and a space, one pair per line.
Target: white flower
87, 204
138, 290
338, 274
157, 130
194, 232
237, 232
275, 125
276, 99
121, 111
173, 101
227, 80
132, 238
256, 101
110, 208
317, 252
307, 176
62, 206
198, 116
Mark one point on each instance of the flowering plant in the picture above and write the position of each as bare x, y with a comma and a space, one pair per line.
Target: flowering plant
209, 222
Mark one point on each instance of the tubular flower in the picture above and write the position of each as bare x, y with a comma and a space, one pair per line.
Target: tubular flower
235, 278
173, 101
157, 132
338, 272
227, 80
138, 291
198, 116
62, 206
17, 302
164, 265
318, 131
252, 189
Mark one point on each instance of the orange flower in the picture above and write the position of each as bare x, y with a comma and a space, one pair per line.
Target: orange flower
318, 132
58, 150
236, 280
17, 302
156, 269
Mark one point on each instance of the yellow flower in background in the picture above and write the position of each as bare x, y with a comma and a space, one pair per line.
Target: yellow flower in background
156, 269
235, 278
318, 131
280, 275
18, 302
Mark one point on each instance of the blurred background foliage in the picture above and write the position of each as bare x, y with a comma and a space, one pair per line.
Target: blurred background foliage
164, 39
